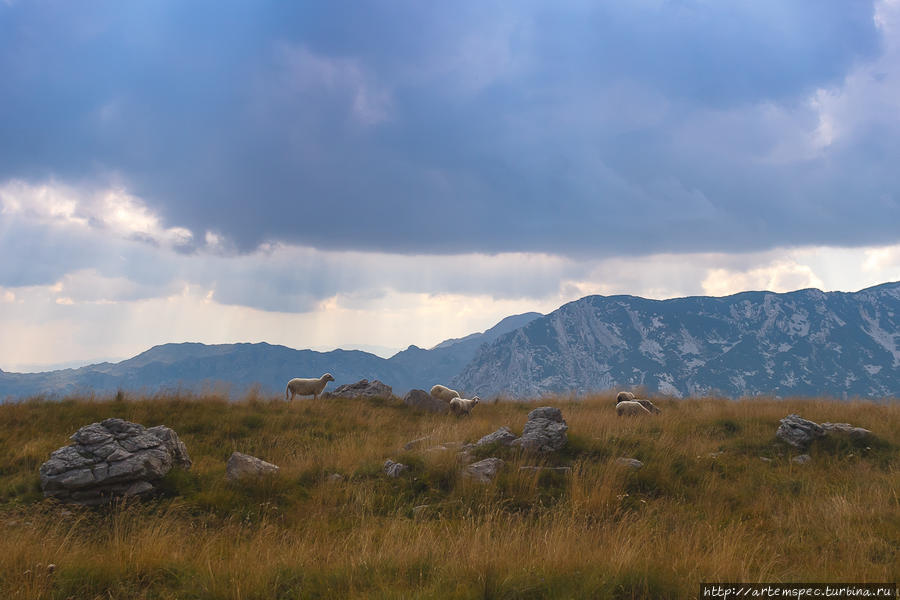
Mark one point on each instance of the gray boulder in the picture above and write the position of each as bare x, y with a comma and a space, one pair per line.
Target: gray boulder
109, 459
422, 400
502, 436
244, 466
362, 389
485, 470
798, 432
545, 431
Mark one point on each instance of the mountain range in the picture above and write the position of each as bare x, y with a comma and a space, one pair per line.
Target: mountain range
235, 368
806, 342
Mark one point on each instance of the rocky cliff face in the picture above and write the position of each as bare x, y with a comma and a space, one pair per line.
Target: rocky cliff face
800, 343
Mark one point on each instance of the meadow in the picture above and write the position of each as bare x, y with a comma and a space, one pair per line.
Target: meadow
705, 506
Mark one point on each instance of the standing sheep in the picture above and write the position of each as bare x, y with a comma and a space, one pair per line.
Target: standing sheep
444, 393
306, 387
462, 406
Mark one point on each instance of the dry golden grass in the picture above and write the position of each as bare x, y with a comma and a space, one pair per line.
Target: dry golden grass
602, 532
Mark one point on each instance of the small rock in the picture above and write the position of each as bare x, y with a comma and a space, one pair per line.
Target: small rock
798, 432
422, 400
436, 449
485, 470
502, 436
241, 466
632, 463
419, 511
801, 459
334, 478
51, 568
545, 431
416, 443
393, 469
765, 459
716, 454
564, 470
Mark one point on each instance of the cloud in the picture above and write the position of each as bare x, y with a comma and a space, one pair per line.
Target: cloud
584, 130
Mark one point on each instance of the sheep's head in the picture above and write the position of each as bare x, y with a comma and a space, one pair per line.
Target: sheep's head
475, 400
327, 377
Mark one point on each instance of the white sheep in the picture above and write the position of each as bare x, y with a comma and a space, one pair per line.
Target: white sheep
462, 406
444, 393
631, 408
306, 387
629, 397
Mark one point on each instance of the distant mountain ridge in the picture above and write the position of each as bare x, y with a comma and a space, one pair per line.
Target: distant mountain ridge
237, 367
806, 342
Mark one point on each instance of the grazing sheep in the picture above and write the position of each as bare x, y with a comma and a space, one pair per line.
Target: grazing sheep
629, 397
444, 393
462, 406
631, 408
306, 387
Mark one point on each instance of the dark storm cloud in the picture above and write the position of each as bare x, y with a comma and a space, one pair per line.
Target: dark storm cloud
457, 127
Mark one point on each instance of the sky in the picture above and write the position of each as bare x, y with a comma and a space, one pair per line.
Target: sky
379, 174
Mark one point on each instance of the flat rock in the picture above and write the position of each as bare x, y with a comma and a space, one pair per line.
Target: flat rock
416, 443
562, 470
502, 436
244, 466
362, 389
485, 470
798, 432
801, 459
846, 429
545, 431
109, 459
422, 400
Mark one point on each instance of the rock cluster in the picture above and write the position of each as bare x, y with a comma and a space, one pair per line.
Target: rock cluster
800, 433
109, 459
362, 389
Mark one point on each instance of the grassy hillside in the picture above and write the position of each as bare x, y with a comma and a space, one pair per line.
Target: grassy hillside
604, 531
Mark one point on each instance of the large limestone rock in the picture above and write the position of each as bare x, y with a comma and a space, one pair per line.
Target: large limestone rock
485, 470
798, 432
502, 436
362, 389
424, 401
545, 431
243, 466
109, 459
